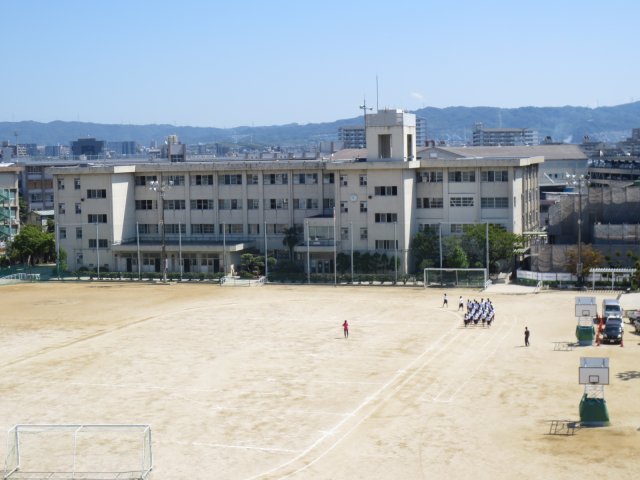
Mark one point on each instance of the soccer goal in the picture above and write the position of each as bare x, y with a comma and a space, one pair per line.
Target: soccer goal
455, 277
81, 452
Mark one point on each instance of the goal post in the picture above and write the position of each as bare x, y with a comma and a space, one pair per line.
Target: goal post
79, 451
458, 277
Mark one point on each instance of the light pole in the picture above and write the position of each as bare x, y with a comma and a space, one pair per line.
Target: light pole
306, 223
351, 234
161, 187
579, 181
395, 246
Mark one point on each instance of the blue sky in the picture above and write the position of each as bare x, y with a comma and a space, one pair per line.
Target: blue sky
227, 64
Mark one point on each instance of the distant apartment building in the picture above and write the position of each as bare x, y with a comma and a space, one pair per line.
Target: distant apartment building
505, 137
369, 200
9, 203
352, 137
89, 147
123, 147
421, 132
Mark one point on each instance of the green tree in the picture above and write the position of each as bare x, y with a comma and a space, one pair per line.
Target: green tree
425, 249
453, 253
502, 246
290, 240
591, 258
32, 246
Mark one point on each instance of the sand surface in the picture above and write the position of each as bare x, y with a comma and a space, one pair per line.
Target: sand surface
259, 383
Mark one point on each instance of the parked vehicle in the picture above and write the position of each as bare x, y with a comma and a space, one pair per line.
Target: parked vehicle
612, 333
611, 308
636, 324
632, 315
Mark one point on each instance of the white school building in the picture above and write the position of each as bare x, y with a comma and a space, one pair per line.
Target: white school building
378, 198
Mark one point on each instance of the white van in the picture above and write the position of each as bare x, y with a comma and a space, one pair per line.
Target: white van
611, 308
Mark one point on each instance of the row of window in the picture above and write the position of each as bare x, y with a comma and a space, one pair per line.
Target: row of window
237, 204
460, 176
485, 202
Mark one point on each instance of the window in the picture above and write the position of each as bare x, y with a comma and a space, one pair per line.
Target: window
148, 228
230, 179
328, 203
386, 191
494, 202
386, 217
203, 228
62, 233
276, 179
430, 202
385, 245
461, 202
202, 204
362, 179
495, 176
174, 205
253, 179
76, 184
344, 207
202, 180
253, 204
461, 176
279, 204
384, 146
143, 180
231, 228
229, 204
429, 227
254, 229
61, 184
78, 233
429, 177
364, 233
97, 218
175, 228
344, 233
102, 243
457, 228
344, 182
144, 204
276, 228
96, 193
305, 203
174, 180
78, 208
328, 178
61, 208
305, 178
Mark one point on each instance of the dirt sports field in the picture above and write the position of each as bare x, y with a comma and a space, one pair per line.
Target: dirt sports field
259, 383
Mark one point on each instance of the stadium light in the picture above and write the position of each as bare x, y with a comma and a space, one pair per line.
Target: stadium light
161, 187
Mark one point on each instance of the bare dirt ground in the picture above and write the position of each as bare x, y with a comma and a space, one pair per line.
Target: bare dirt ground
259, 383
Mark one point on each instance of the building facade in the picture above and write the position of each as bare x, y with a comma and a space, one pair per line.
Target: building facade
494, 137
205, 214
9, 203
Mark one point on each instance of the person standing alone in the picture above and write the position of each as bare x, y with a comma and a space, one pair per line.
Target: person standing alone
526, 336
445, 302
345, 328
460, 304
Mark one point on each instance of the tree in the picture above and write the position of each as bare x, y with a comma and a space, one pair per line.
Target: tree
32, 245
425, 249
502, 246
591, 258
454, 255
290, 240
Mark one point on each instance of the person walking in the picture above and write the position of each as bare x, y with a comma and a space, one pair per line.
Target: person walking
526, 336
345, 328
445, 303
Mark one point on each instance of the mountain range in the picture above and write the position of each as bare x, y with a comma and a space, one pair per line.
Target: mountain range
566, 124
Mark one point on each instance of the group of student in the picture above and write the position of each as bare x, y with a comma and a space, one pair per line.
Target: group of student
477, 312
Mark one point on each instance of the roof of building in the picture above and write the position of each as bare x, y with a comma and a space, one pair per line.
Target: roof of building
549, 152
350, 153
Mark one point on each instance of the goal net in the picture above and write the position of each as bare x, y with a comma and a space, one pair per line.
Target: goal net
455, 277
84, 452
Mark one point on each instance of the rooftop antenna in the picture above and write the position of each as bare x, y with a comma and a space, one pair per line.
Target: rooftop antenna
365, 108
377, 104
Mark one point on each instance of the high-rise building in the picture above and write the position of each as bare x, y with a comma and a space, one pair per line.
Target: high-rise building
506, 137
